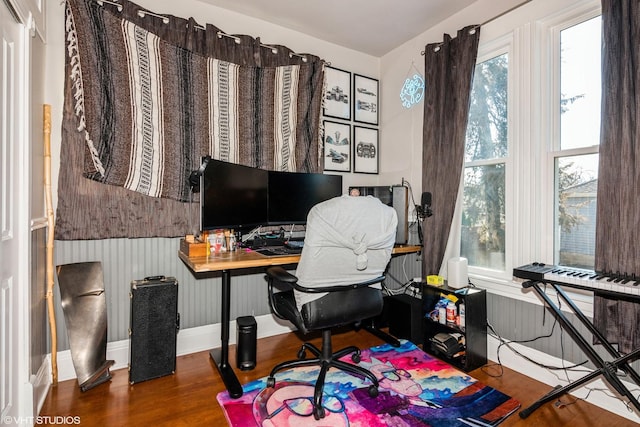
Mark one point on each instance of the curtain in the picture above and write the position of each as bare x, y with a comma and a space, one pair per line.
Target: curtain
147, 96
618, 211
449, 68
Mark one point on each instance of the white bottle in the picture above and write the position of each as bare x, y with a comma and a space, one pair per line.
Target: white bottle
451, 312
442, 315
461, 313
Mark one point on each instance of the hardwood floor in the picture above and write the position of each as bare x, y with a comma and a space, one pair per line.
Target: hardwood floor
188, 398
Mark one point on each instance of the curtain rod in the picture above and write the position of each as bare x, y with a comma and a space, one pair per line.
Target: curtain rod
220, 34
437, 47
112, 3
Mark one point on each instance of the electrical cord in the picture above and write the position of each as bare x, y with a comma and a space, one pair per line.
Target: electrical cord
507, 343
396, 291
559, 403
418, 212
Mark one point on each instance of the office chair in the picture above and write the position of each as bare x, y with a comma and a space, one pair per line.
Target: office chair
348, 244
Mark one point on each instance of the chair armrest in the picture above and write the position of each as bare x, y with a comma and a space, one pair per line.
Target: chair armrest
339, 288
285, 282
281, 275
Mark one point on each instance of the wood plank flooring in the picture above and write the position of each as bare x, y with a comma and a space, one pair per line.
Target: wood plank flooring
188, 398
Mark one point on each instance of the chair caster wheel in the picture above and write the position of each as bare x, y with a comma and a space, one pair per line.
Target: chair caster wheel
318, 412
271, 382
373, 391
355, 357
302, 354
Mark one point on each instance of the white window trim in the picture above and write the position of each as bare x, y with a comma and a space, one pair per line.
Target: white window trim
526, 34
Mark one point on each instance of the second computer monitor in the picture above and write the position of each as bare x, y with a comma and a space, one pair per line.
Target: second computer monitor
293, 194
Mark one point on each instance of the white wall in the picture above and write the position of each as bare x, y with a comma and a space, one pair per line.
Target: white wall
401, 128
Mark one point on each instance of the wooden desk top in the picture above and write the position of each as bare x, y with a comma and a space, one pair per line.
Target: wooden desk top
246, 258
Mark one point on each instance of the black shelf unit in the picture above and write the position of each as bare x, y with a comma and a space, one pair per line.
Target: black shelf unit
404, 317
474, 353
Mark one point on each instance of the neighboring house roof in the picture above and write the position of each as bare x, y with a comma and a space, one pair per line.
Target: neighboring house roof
586, 189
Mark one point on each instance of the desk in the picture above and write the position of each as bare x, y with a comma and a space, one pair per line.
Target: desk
225, 262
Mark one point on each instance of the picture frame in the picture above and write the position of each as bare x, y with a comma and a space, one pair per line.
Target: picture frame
366, 150
365, 99
337, 96
337, 146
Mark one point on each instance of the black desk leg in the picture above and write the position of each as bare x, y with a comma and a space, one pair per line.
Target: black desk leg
221, 356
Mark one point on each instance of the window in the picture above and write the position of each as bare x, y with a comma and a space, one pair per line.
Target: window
528, 187
575, 156
486, 150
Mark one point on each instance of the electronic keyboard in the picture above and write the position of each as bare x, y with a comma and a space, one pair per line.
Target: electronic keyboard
579, 278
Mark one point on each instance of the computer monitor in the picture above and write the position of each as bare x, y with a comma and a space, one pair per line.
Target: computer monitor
293, 194
233, 196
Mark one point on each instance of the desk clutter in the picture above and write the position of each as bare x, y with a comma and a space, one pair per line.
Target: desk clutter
223, 241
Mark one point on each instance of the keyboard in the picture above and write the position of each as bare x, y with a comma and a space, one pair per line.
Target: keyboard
278, 250
579, 278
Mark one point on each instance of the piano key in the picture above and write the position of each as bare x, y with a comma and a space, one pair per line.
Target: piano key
580, 278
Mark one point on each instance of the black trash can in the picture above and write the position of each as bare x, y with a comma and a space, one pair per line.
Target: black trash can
246, 339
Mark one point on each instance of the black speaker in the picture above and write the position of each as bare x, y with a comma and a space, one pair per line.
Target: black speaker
247, 335
153, 328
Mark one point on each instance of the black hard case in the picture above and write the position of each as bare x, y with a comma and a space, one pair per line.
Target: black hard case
154, 326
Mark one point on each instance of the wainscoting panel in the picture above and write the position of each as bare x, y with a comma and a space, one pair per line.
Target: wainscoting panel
533, 326
124, 260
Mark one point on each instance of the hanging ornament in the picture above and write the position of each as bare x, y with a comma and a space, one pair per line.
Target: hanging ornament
413, 89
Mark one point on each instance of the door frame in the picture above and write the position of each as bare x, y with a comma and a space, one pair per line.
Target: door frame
15, 240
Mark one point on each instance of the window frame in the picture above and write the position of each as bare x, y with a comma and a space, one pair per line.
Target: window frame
530, 35
500, 46
554, 28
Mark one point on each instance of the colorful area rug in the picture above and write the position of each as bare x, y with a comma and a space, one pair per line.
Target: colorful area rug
415, 390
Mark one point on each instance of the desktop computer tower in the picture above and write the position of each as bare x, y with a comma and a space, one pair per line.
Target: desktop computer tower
396, 196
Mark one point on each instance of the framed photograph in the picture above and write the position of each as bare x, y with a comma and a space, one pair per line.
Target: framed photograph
365, 150
337, 146
365, 99
337, 98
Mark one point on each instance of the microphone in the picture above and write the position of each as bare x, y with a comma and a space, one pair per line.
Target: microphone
426, 199
194, 177
424, 209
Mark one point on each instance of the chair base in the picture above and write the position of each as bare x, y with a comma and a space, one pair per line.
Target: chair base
326, 359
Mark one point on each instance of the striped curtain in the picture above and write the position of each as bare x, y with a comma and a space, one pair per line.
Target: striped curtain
148, 97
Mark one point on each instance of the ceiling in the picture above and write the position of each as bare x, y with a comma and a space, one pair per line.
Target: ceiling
374, 27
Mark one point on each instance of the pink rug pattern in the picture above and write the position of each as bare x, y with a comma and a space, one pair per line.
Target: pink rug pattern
416, 389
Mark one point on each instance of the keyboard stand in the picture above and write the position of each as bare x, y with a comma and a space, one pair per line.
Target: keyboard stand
604, 368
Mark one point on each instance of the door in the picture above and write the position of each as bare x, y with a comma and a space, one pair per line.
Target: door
14, 223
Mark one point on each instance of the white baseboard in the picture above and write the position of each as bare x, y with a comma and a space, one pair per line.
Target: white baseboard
596, 392
41, 383
190, 341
